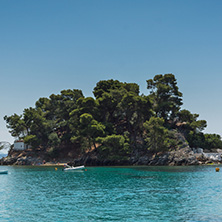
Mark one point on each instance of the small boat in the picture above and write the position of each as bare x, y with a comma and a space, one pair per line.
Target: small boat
71, 168
3, 171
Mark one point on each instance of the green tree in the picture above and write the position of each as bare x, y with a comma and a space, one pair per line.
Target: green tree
38, 127
165, 94
106, 86
189, 122
85, 105
135, 110
195, 139
88, 129
212, 141
16, 124
32, 140
191, 127
57, 110
54, 140
121, 108
113, 146
157, 137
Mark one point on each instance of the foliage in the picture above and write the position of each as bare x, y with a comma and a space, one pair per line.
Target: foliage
212, 141
191, 122
192, 128
116, 122
158, 137
113, 145
16, 124
165, 95
88, 129
54, 139
106, 86
195, 139
32, 140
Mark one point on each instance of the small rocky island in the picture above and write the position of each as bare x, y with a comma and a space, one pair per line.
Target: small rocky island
119, 126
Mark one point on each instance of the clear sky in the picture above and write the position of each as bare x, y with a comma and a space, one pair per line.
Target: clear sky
50, 45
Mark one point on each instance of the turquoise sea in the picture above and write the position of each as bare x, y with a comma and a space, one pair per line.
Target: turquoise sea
191, 193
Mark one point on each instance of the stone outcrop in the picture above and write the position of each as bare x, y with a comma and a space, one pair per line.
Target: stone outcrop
26, 157
183, 156
180, 157
21, 161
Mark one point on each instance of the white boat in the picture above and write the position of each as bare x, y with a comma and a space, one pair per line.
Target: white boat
71, 168
3, 172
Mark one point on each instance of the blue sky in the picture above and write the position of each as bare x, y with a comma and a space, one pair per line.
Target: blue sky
49, 45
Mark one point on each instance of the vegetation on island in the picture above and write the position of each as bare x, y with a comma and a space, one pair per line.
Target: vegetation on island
115, 123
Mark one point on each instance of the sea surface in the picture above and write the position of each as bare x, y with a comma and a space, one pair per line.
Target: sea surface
191, 193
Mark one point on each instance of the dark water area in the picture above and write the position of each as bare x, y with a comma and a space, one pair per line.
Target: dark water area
191, 193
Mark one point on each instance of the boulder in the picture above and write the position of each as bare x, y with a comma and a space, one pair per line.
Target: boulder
8, 160
215, 157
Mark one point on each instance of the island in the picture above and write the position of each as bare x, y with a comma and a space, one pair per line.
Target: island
118, 126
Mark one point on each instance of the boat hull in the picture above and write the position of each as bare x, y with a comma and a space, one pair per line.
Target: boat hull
3, 172
74, 168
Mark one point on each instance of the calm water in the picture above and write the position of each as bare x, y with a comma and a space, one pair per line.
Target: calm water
111, 194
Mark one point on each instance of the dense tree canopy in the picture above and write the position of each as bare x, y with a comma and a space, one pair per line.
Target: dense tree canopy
117, 121
158, 137
165, 95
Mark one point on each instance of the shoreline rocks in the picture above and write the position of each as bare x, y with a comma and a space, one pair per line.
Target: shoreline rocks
182, 157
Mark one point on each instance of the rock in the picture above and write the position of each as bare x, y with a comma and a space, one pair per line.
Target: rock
197, 150
206, 151
8, 161
143, 160
208, 162
219, 150
184, 156
215, 157
199, 156
162, 161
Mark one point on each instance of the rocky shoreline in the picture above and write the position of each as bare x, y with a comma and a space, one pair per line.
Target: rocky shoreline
181, 157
